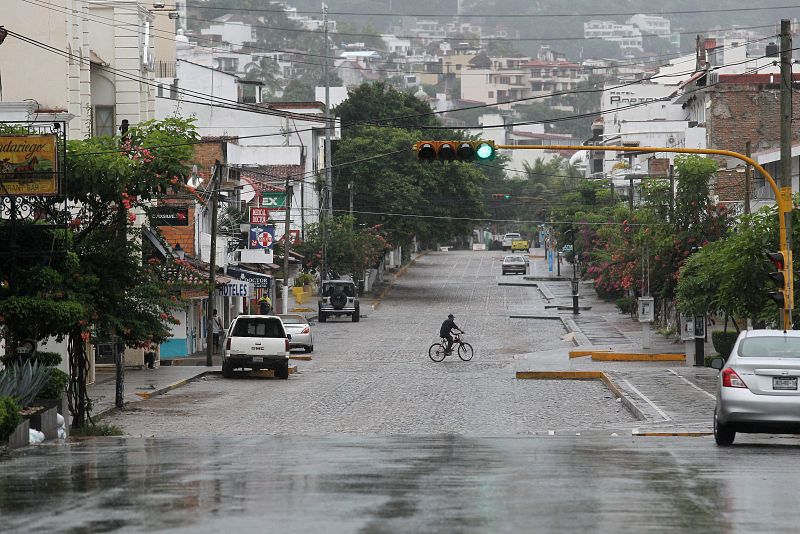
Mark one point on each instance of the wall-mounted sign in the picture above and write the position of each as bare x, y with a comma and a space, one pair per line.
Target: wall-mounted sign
273, 200
259, 215
235, 289
258, 280
170, 216
28, 165
262, 236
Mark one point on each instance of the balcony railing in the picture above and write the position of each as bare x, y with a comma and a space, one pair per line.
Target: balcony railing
165, 69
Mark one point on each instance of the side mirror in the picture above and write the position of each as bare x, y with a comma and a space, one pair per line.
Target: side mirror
289, 337
717, 363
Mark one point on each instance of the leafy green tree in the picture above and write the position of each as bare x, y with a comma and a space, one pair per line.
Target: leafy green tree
381, 103
267, 71
101, 288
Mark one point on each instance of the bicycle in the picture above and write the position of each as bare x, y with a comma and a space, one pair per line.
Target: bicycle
437, 353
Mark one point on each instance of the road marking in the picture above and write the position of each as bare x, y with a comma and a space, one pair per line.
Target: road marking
695, 386
648, 401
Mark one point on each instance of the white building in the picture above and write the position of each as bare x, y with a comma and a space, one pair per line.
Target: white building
104, 73
233, 29
627, 36
651, 25
492, 87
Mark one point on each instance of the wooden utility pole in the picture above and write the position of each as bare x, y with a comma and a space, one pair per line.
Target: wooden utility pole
747, 180
287, 239
786, 160
212, 261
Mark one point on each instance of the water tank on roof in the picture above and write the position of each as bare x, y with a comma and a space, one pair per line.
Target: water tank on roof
772, 50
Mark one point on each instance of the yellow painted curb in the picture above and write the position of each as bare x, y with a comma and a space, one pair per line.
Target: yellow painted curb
302, 310
587, 352
637, 357
269, 373
302, 358
671, 434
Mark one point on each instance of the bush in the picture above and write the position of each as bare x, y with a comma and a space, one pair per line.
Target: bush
48, 359
55, 386
100, 429
9, 417
24, 381
723, 342
626, 304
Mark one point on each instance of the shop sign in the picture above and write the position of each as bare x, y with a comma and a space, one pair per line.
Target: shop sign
259, 281
273, 200
235, 289
28, 165
170, 216
262, 236
259, 215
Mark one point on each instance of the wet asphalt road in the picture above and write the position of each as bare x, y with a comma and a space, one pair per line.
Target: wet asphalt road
401, 484
374, 437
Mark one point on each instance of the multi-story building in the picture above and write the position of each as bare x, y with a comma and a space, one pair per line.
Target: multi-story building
651, 25
627, 36
102, 69
549, 77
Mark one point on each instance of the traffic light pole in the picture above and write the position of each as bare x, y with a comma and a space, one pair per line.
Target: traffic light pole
786, 159
783, 195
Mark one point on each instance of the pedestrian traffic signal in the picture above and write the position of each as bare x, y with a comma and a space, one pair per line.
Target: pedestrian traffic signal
454, 150
780, 276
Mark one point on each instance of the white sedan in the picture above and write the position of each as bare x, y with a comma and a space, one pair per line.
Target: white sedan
297, 326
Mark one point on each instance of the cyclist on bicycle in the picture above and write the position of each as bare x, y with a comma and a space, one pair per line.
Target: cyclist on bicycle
445, 332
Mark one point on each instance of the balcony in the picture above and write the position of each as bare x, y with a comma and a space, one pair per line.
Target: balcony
165, 69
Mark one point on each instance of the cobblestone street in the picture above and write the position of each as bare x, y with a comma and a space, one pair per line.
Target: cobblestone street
375, 377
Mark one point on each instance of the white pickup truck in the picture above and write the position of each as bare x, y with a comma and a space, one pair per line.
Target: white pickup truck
256, 342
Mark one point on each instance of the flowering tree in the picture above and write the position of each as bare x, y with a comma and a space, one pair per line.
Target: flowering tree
101, 288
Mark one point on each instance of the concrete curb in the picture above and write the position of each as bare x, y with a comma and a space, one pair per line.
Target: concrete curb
572, 327
608, 356
585, 352
687, 434
174, 385
400, 273
301, 358
587, 375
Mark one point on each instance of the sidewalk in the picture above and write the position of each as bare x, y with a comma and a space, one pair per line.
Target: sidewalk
140, 384
670, 396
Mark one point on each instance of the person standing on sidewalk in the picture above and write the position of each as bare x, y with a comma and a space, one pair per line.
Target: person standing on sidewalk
216, 326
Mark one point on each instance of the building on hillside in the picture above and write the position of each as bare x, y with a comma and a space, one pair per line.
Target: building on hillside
651, 25
549, 77
627, 36
234, 29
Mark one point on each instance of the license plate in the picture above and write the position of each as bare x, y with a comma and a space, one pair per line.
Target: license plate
258, 359
781, 383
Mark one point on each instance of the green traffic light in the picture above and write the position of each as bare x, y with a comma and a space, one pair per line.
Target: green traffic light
484, 151
506, 197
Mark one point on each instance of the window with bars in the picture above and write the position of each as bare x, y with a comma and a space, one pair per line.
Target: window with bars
104, 121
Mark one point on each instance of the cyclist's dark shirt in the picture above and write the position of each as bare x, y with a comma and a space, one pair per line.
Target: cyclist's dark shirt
447, 326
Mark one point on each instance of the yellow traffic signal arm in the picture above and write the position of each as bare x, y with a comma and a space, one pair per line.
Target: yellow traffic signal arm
783, 195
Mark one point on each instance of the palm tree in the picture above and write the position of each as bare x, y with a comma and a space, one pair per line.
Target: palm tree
267, 70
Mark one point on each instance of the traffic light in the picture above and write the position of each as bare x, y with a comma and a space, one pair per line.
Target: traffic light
465, 151
780, 276
501, 196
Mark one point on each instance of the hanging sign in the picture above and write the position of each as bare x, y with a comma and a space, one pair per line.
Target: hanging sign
273, 200
262, 236
28, 165
259, 215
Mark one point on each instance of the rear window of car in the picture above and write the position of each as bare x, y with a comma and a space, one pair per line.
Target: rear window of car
258, 328
292, 319
770, 347
512, 236
514, 259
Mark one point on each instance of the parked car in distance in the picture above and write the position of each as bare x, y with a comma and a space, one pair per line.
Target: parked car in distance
299, 328
257, 342
509, 238
514, 264
338, 297
757, 390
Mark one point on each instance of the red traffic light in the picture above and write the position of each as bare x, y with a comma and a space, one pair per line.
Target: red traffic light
778, 259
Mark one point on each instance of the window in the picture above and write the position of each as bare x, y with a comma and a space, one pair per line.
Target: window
770, 347
104, 121
258, 328
491, 94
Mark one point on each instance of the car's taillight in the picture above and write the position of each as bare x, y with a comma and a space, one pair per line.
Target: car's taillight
288, 348
228, 344
731, 380
306, 330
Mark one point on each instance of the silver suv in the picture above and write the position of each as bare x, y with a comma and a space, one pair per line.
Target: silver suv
338, 297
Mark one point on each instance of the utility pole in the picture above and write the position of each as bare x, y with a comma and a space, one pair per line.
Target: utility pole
328, 178
287, 239
786, 158
671, 193
212, 261
350, 187
747, 170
